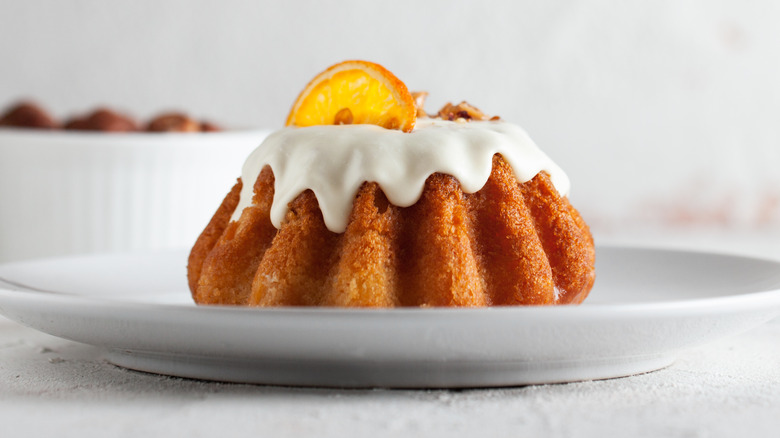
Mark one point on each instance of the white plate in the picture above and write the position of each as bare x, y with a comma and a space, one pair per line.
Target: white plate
647, 305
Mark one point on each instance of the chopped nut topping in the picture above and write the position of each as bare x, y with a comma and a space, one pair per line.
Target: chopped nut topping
343, 117
461, 110
419, 102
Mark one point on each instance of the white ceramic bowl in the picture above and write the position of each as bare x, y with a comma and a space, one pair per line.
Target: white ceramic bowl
64, 192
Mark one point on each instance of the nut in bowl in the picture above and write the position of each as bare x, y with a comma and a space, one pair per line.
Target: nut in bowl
74, 191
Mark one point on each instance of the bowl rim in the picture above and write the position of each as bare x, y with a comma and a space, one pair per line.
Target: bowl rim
13, 131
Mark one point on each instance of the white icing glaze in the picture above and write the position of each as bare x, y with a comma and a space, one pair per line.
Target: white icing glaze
333, 161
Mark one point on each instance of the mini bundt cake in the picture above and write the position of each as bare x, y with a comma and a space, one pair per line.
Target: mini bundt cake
460, 212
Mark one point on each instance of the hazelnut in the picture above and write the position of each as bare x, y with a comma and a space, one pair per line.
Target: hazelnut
27, 115
207, 126
173, 122
76, 125
103, 120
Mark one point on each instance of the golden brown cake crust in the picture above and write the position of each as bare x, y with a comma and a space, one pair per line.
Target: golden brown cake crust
208, 238
507, 244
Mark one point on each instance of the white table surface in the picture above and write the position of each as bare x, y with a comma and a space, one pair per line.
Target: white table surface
731, 387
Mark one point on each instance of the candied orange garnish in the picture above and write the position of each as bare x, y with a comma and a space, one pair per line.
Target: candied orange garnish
355, 92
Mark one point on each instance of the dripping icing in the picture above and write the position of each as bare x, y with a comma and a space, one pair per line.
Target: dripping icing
334, 161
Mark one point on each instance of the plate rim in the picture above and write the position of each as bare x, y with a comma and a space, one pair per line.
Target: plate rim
30, 293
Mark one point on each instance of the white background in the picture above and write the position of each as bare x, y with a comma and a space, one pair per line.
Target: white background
664, 113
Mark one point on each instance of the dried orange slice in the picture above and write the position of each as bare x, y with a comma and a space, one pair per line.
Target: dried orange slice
355, 92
